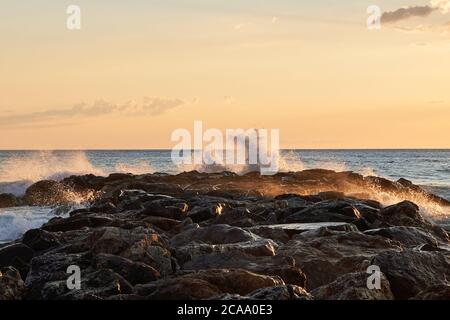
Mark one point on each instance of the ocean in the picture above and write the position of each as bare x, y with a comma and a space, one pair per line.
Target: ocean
19, 169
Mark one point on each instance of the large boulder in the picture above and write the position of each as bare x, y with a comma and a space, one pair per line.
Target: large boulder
206, 284
214, 234
8, 200
409, 272
18, 256
353, 286
12, 286
410, 237
324, 255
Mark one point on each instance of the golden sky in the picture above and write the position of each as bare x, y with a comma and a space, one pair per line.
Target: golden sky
137, 70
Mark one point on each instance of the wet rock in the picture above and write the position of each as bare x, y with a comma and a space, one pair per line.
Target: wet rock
409, 272
353, 286
282, 266
134, 272
95, 285
40, 240
332, 253
206, 284
12, 286
436, 292
172, 209
288, 292
296, 228
214, 234
139, 244
18, 256
407, 214
47, 193
410, 237
326, 211
8, 200
76, 222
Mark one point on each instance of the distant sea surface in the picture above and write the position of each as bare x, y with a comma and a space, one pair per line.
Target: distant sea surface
19, 169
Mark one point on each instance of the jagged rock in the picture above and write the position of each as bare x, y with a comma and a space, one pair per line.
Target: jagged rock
18, 256
47, 193
206, 284
12, 286
409, 272
287, 292
326, 211
281, 266
353, 286
8, 200
39, 239
95, 285
138, 244
408, 236
330, 254
76, 222
214, 234
296, 228
436, 292
134, 272
407, 214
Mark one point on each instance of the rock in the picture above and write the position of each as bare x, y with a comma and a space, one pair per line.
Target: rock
199, 214
214, 234
161, 208
40, 240
95, 285
11, 285
326, 211
281, 266
8, 200
409, 272
163, 223
138, 244
47, 193
76, 222
407, 214
287, 292
410, 237
276, 234
353, 286
206, 284
330, 254
18, 256
436, 292
296, 228
133, 272
258, 248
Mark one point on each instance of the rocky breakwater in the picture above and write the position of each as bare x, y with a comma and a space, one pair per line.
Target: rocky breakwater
303, 235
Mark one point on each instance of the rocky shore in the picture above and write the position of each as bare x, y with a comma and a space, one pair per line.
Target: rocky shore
305, 235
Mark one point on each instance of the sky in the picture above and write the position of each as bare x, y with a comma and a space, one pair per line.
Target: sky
137, 70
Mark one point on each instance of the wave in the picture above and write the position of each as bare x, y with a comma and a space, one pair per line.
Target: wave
15, 221
17, 173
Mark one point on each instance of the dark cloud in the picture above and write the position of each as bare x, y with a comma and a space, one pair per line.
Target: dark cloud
406, 13
149, 106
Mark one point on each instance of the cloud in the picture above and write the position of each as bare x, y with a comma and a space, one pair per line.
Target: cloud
406, 13
442, 5
148, 106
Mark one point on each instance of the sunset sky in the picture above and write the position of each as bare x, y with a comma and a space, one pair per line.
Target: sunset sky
139, 69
